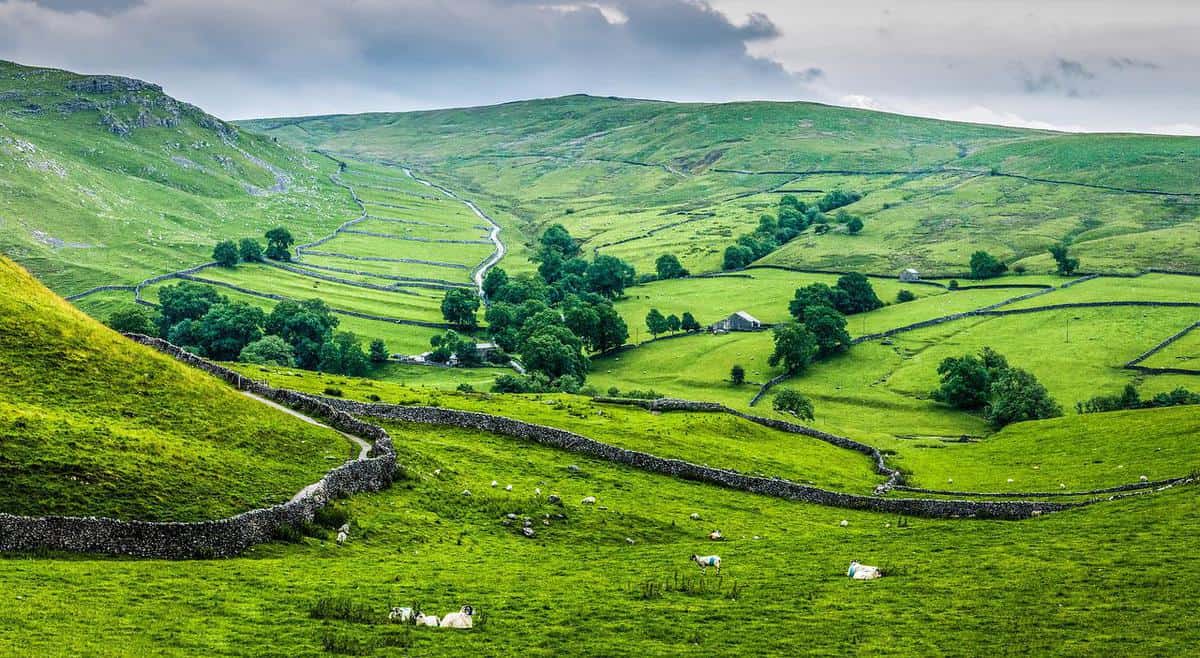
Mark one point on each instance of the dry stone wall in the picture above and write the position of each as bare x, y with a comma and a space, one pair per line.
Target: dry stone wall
223, 537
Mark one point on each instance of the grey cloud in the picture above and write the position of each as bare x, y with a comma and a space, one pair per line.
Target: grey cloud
1126, 63
91, 6
1062, 76
811, 74
286, 57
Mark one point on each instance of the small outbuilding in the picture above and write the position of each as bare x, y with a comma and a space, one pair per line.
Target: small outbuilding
740, 321
910, 274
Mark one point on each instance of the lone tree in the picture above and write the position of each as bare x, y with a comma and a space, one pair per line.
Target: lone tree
986, 266
795, 347
225, 253
250, 250
854, 225
1066, 264
279, 244
791, 401
860, 296
737, 375
668, 267
459, 307
656, 323
379, 351
905, 295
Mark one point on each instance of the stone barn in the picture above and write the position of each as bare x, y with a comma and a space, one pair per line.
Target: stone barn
910, 275
740, 321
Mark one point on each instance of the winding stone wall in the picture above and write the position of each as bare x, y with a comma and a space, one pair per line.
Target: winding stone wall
222, 537
778, 488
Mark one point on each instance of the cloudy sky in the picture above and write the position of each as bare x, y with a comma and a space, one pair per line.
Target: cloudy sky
1068, 64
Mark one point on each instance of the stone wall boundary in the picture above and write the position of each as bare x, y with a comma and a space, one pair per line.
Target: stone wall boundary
226, 537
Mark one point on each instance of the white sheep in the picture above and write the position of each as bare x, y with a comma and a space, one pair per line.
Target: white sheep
495, 484
341, 538
460, 619
716, 535
844, 523
590, 500
1143, 478
508, 488
706, 561
863, 572
466, 492
537, 491
695, 516
345, 528
427, 620
403, 615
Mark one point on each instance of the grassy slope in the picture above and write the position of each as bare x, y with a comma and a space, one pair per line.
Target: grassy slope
569, 160
91, 424
956, 587
152, 201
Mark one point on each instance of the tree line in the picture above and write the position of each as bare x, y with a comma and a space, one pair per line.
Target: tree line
295, 333
792, 218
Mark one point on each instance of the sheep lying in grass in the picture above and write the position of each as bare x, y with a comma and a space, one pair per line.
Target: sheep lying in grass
706, 561
460, 619
863, 572
427, 620
590, 500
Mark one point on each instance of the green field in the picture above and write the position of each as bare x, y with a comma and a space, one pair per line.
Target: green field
95, 425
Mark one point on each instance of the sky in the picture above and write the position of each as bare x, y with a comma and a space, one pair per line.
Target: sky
1082, 65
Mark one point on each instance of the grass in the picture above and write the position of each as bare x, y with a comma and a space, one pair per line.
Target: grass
423, 542
715, 439
95, 425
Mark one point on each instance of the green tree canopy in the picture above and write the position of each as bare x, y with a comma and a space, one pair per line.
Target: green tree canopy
828, 327
860, 296
343, 355
795, 347
1066, 264
379, 351
558, 240
791, 401
133, 320
986, 266
225, 253
250, 250
668, 267
185, 301
656, 322
1018, 396
305, 326
279, 244
608, 276
459, 307
268, 350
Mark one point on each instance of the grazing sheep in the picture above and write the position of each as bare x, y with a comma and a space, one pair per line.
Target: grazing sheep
706, 561
508, 488
629, 540
1062, 485
341, 538
716, 535
1143, 478
1036, 512
695, 516
844, 523
863, 572
345, 528
437, 471
427, 620
590, 500
495, 484
460, 619
466, 492
537, 491
403, 615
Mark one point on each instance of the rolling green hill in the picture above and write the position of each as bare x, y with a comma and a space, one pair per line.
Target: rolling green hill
637, 178
107, 180
93, 424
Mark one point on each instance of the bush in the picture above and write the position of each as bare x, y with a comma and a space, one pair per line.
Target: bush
133, 320
649, 394
905, 296
791, 401
465, 388
986, 266
737, 375
953, 284
333, 391
225, 253
613, 391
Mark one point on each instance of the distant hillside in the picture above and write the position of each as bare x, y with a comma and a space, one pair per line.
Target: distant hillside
107, 180
93, 424
636, 177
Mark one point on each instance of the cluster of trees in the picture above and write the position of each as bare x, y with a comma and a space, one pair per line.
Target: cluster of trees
300, 334
1066, 264
657, 323
793, 218
987, 266
457, 345
1131, 399
987, 382
819, 325
279, 241
554, 318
